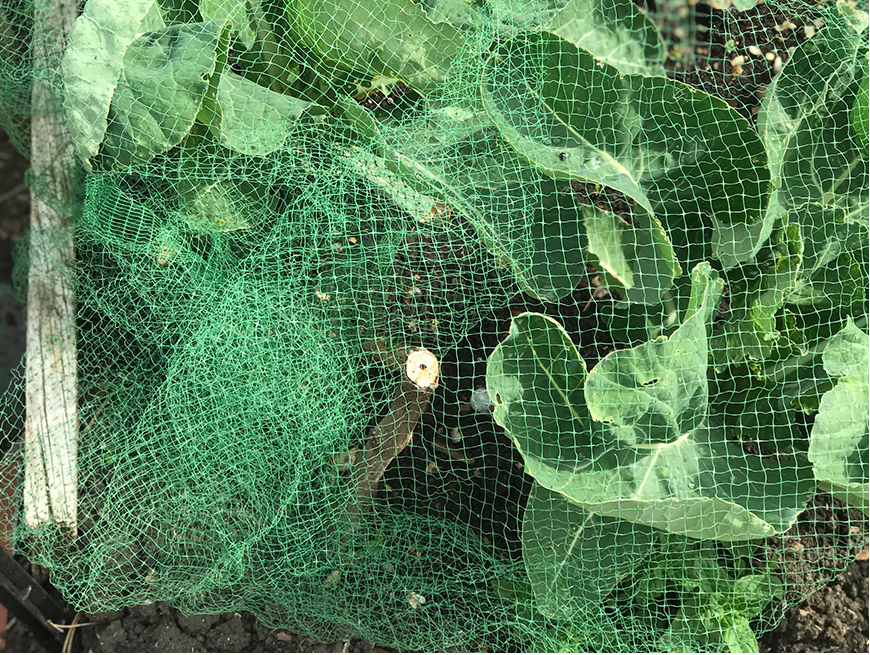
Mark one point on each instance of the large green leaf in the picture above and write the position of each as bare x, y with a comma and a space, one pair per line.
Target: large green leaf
251, 119
92, 67
392, 38
659, 460
657, 392
805, 121
702, 486
675, 151
166, 76
615, 31
535, 379
839, 440
452, 154
574, 558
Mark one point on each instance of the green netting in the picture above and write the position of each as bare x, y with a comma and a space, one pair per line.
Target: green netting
480, 325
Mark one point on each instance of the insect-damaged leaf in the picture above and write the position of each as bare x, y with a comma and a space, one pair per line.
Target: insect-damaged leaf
652, 394
674, 150
393, 38
839, 440
659, 459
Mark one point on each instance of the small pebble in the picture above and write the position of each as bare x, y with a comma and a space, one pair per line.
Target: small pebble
455, 435
737, 65
770, 56
809, 31
777, 65
754, 50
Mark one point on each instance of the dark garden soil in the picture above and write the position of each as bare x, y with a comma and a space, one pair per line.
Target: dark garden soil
460, 465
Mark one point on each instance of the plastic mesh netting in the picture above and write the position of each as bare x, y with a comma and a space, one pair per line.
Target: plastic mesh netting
480, 325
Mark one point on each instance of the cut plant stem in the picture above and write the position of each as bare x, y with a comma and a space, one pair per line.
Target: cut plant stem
418, 372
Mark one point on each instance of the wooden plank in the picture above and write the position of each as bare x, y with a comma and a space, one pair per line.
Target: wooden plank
51, 426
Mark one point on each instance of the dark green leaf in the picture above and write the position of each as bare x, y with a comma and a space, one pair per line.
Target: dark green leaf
757, 293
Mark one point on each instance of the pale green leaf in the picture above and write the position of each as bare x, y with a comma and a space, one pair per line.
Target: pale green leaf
861, 111
657, 392
511, 16
464, 15
574, 558
815, 155
160, 91
529, 222
535, 380
639, 256
660, 460
223, 206
375, 170
839, 439
234, 11
738, 243
615, 31
92, 67
253, 120
392, 38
